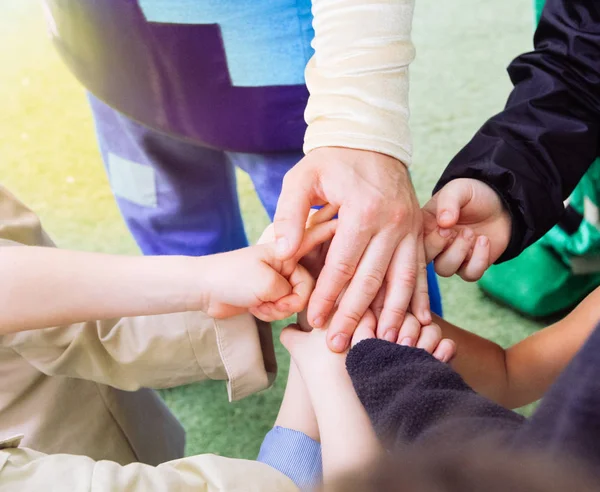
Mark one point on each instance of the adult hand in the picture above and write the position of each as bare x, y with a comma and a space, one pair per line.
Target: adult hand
467, 228
378, 239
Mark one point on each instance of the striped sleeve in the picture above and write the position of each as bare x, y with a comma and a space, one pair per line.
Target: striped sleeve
295, 455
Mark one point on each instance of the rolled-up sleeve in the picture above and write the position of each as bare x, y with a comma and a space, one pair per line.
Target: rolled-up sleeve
153, 351
295, 455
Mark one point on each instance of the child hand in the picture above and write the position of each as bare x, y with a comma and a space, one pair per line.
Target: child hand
255, 279
466, 229
412, 334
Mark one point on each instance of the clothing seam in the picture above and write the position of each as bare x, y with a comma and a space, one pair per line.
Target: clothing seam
190, 339
231, 378
118, 424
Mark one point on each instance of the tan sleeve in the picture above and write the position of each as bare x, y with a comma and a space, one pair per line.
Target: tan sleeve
24, 469
154, 352
358, 77
147, 351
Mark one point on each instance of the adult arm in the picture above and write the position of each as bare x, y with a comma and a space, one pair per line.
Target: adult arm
358, 147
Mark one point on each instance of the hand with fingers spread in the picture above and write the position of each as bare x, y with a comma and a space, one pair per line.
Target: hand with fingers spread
466, 228
256, 279
412, 334
378, 241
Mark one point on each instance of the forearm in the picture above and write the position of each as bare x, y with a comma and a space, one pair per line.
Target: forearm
480, 362
522, 373
296, 411
358, 77
348, 440
536, 150
292, 446
535, 363
66, 287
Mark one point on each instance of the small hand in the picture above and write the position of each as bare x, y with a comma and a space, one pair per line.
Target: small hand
256, 279
466, 227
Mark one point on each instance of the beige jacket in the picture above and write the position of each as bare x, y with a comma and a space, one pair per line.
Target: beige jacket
80, 390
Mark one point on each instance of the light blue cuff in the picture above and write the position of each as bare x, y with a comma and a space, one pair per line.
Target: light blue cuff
295, 455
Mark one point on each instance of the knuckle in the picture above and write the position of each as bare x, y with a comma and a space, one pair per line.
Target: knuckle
370, 284
352, 317
470, 276
408, 277
396, 312
325, 296
443, 269
344, 269
398, 215
370, 209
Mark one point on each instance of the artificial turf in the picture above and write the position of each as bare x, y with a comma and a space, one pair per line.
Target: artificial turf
48, 156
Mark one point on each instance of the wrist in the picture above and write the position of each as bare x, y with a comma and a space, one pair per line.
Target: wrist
189, 277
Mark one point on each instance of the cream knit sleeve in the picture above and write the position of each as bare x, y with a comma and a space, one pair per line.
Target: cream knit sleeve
358, 77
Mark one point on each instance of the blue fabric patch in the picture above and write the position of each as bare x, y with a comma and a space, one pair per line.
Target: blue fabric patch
132, 181
267, 42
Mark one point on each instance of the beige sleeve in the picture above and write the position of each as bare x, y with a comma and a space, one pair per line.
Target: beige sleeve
24, 469
152, 351
358, 77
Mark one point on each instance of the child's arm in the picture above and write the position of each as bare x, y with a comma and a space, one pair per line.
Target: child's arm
347, 438
43, 287
522, 373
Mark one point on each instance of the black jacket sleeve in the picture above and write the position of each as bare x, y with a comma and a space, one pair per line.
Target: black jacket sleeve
535, 151
412, 397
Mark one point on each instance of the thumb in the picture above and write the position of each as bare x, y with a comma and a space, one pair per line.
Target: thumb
292, 211
291, 337
451, 198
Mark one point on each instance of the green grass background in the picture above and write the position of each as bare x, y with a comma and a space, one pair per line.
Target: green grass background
48, 156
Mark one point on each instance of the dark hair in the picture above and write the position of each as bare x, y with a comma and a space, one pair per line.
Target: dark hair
481, 467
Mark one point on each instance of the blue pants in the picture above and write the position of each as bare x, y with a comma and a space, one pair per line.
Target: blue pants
178, 198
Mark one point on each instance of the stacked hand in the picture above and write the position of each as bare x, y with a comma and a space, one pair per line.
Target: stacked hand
255, 279
466, 228
378, 241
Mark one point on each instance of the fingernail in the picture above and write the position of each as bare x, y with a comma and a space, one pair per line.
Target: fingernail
407, 342
282, 246
318, 322
426, 316
445, 233
483, 240
445, 216
390, 336
467, 233
340, 342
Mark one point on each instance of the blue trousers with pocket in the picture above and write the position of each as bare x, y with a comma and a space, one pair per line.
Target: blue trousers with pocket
179, 198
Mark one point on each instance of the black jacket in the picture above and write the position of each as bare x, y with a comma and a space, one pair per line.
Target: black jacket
536, 150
